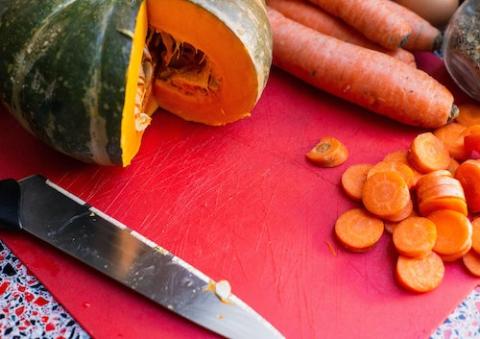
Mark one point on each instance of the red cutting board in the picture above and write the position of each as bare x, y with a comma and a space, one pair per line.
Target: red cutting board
242, 204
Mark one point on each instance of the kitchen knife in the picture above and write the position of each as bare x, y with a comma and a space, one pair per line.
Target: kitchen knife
56, 216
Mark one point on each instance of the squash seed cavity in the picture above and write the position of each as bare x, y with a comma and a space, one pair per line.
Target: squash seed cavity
178, 65
144, 91
182, 66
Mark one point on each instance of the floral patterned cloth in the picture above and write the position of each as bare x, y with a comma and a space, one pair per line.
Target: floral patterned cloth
28, 310
464, 322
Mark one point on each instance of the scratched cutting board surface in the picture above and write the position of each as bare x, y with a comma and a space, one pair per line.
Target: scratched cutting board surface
242, 204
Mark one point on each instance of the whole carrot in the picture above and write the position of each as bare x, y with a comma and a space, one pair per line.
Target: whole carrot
314, 17
368, 78
424, 36
372, 18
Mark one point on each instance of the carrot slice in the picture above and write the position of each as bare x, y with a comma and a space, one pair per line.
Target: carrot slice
420, 274
390, 225
385, 194
452, 167
397, 156
428, 153
471, 260
403, 214
454, 257
416, 177
439, 173
469, 115
429, 183
453, 204
358, 230
329, 152
476, 235
454, 231
472, 139
386, 166
441, 191
468, 174
402, 157
415, 237
353, 180
452, 136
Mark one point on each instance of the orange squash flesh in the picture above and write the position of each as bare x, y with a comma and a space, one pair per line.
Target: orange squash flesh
236, 82
130, 136
204, 61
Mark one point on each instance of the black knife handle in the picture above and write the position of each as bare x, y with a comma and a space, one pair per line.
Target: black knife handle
10, 199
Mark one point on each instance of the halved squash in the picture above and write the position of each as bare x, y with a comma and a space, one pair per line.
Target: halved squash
86, 77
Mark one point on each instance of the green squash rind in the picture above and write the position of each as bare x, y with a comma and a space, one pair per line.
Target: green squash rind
63, 72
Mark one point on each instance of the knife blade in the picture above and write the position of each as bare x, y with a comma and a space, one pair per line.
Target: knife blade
56, 216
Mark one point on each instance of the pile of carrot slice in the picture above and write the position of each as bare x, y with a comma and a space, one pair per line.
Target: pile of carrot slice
423, 197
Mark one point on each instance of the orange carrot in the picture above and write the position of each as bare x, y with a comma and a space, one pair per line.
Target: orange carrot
429, 182
402, 157
437, 191
420, 274
397, 156
454, 204
329, 152
400, 54
430, 179
469, 115
424, 36
331, 248
472, 262
385, 194
442, 191
368, 78
454, 231
386, 166
403, 214
416, 176
372, 18
472, 139
476, 235
357, 230
428, 153
468, 174
459, 255
353, 180
314, 17
452, 136
390, 225
452, 167
415, 237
